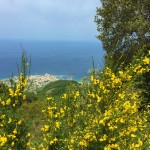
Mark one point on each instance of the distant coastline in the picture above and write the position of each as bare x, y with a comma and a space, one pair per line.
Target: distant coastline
35, 81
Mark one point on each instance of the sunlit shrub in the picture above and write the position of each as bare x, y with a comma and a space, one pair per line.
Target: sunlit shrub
13, 129
103, 114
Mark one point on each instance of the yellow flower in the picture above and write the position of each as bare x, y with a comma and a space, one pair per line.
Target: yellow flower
121, 73
128, 77
115, 146
146, 60
25, 83
121, 95
137, 68
87, 136
43, 110
141, 71
122, 120
98, 98
3, 140
10, 120
140, 142
15, 131
108, 124
11, 92
121, 134
127, 105
103, 138
19, 122
28, 144
24, 97
95, 81
113, 139
8, 101
49, 98
58, 124
61, 111
101, 85
92, 95
55, 139
77, 93
3, 103
107, 148
92, 78
46, 128
83, 143
33, 148
89, 105
11, 136
12, 144
132, 129
133, 135
51, 142
64, 96
72, 140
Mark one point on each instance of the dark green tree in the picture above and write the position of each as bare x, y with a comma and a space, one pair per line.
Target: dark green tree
124, 27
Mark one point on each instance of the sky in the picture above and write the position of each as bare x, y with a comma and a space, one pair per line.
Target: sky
61, 20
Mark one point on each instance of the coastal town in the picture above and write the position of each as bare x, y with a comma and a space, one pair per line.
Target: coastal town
35, 81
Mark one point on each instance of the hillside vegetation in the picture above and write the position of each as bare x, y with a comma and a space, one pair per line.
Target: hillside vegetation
108, 111
105, 112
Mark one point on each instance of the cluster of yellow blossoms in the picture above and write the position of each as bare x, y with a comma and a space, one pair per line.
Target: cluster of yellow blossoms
103, 114
12, 127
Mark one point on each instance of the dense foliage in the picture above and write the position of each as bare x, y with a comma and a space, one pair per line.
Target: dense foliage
13, 131
56, 88
102, 113
13, 128
124, 29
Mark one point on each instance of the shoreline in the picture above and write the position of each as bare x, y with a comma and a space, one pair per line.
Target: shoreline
34, 81
38, 81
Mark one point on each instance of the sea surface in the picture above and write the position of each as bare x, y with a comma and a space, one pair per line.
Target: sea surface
68, 60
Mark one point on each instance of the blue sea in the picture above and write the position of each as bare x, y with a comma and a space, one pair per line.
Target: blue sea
63, 59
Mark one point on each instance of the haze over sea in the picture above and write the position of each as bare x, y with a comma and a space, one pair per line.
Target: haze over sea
69, 60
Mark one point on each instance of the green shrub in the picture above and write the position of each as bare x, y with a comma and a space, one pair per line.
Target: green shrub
13, 128
31, 97
3, 88
101, 115
56, 88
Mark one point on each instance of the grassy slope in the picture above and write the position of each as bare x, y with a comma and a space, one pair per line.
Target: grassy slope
35, 102
56, 88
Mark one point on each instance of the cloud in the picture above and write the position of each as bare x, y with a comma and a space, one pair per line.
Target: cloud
48, 18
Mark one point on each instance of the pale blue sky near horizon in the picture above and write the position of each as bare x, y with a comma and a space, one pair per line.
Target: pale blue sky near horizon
63, 20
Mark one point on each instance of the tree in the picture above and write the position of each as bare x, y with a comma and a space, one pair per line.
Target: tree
124, 27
